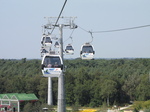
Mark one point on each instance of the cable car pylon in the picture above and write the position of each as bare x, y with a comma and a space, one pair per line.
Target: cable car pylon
49, 69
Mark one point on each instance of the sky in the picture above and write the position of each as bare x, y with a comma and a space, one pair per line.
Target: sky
21, 24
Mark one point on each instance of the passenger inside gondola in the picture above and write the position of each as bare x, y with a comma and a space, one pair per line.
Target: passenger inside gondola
56, 62
47, 62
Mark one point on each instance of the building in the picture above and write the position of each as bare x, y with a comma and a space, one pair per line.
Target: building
11, 102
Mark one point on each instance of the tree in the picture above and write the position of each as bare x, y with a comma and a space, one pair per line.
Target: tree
108, 89
43, 90
130, 85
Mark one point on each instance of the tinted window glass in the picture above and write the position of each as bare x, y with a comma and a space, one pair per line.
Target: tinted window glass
87, 49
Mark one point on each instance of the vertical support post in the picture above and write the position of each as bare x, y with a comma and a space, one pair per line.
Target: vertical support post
18, 106
61, 40
50, 94
149, 76
61, 89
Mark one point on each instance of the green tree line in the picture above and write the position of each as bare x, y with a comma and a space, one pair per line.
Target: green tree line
87, 82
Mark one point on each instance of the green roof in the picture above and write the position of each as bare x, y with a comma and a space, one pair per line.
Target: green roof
19, 96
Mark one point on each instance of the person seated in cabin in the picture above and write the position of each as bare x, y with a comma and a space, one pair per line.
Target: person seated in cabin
56, 64
49, 65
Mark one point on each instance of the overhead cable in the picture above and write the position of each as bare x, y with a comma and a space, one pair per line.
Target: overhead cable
83, 29
59, 16
131, 28
105, 31
71, 33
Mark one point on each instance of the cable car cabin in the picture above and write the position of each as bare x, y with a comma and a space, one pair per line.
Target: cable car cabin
87, 51
46, 40
57, 45
43, 52
69, 49
52, 65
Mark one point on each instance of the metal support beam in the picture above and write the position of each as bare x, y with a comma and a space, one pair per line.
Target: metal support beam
61, 89
18, 106
50, 94
61, 106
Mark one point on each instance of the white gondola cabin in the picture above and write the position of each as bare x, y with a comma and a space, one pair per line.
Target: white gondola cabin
52, 65
43, 52
69, 49
87, 51
57, 45
46, 40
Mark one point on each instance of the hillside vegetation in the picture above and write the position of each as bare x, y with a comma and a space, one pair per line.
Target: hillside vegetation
87, 83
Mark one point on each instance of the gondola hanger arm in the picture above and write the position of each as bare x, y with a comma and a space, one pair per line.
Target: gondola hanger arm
91, 36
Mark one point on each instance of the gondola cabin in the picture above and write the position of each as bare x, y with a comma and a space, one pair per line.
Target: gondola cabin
52, 65
87, 51
69, 49
46, 40
57, 45
43, 52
